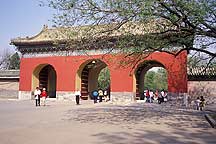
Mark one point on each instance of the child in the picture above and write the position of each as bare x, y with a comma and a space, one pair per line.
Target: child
44, 95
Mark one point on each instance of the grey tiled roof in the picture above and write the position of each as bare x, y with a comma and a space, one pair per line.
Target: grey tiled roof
201, 71
9, 73
202, 74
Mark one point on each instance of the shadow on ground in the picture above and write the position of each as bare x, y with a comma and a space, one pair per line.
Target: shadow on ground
138, 114
178, 136
156, 124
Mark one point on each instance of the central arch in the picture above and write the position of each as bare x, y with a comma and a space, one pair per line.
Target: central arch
139, 75
87, 77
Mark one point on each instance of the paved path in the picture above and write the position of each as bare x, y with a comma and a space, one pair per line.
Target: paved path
67, 123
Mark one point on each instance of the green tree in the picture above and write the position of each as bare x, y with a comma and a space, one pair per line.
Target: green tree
4, 61
104, 79
10, 61
161, 79
14, 61
199, 61
156, 80
149, 80
178, 24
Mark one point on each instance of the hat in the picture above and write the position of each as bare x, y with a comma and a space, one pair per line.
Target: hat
44, 88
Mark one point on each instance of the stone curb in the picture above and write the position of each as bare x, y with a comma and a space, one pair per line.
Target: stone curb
211, 121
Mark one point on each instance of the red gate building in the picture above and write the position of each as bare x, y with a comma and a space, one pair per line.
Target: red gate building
63, 71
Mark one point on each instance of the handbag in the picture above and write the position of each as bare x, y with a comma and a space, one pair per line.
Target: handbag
36, 96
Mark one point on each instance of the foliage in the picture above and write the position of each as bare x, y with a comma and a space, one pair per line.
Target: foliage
153, 80
156, 80
189, 24
14, 61
10, 61
104, 79
200, 61
4, 61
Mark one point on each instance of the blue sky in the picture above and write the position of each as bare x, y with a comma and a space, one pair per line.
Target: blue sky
21, 18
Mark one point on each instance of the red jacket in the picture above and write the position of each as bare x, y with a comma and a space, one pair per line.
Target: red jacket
147, 93
44, 94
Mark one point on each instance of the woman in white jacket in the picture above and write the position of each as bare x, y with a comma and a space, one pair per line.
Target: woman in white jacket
37, 94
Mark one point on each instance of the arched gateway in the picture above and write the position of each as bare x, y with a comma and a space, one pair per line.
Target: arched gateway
44, 76
62, 71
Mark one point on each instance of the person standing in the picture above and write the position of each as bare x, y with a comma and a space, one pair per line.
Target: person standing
100, 94
151, 96
197, 103
156, 95
95, 95
162, 95
44, 96
159, 98
37, 94
202, 103
106, 98
147, 95
78, 95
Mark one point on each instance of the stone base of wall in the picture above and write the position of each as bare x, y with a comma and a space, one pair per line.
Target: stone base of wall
69, 95
65, 95
60, 95
8, 94
9, 89
25, 95
122, 96
176, 99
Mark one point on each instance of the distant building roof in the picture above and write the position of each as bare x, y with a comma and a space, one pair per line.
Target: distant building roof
9, 74
201, 73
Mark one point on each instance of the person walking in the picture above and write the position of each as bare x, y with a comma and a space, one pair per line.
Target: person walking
37, 94
44, 96
78, 95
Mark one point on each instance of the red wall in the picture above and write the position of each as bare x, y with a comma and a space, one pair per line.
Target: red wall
121, 78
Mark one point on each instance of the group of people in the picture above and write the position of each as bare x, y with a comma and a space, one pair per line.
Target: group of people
95, 94
40, 96
150, 96
101, 94
200, 103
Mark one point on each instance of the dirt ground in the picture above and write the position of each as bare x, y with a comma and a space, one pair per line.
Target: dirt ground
63, 122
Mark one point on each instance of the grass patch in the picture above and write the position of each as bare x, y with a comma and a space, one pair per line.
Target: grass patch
213, 116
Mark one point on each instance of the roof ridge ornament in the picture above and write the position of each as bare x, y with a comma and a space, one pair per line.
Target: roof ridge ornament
45, 27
